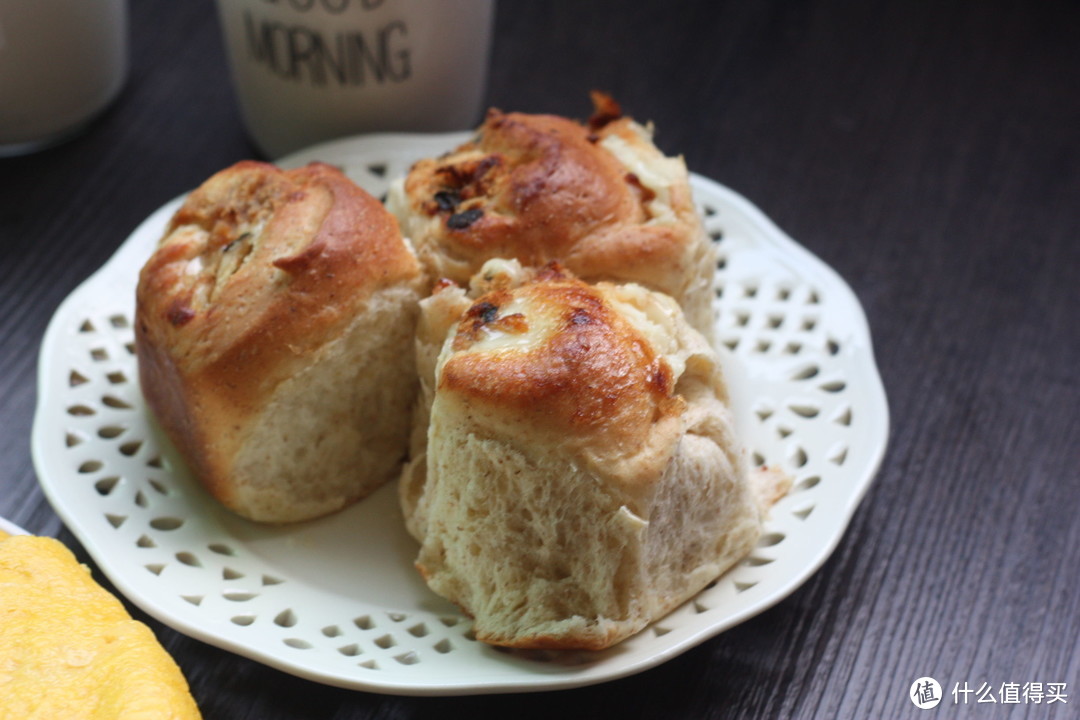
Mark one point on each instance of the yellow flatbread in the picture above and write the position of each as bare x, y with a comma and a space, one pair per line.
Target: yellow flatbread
68, 648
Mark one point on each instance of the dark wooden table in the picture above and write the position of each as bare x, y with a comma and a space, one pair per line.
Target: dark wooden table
929, 152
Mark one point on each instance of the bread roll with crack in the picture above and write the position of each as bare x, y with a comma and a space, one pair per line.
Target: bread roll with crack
599, 198
274, 331
581, 476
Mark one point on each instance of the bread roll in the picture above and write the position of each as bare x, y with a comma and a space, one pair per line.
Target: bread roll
579, 477
600, 198
69, 649
274, 331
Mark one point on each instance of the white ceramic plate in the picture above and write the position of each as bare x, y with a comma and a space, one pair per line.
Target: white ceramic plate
11, 528
337, 600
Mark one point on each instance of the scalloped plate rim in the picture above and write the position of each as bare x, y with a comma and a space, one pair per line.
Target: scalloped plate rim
572, 678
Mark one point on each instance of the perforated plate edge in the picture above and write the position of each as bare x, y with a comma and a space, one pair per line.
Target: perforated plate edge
654, 646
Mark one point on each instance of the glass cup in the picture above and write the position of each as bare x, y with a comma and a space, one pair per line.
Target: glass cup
61, 63
306, 71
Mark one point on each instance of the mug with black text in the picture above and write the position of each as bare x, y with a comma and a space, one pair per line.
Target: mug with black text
306, 71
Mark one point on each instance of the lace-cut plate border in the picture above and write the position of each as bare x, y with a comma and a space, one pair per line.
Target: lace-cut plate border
337, 600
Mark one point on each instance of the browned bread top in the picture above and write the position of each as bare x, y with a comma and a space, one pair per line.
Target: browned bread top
584, 368
259, 258
598, 197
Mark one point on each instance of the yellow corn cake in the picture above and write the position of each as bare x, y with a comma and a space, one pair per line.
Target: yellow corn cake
68, 648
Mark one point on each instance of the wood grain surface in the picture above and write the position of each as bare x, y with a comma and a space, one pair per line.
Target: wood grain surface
928, 151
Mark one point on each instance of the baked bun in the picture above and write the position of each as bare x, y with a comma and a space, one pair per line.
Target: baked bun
274, 331
581, 477
599, 198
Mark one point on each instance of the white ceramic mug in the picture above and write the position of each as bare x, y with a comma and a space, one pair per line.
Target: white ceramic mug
61, 62
307, 71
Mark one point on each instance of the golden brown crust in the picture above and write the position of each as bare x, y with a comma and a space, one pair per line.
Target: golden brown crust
580, 372
257, 270
541, 187
538, 183
589, 370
